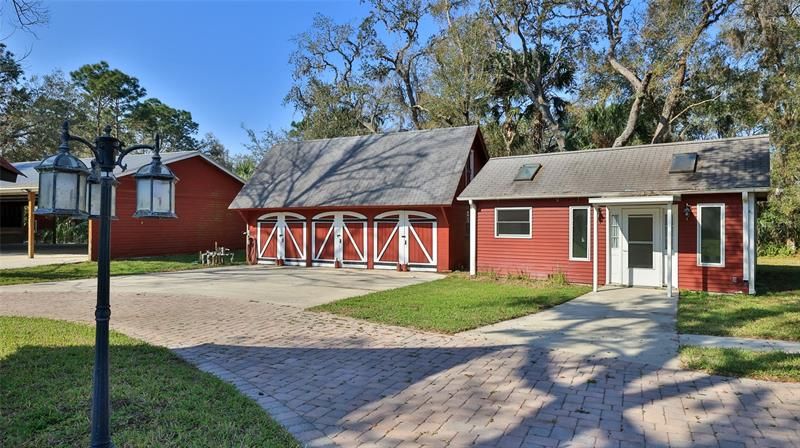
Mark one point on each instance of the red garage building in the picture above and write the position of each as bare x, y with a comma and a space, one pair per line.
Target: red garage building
375, 201
202, 194
674, 215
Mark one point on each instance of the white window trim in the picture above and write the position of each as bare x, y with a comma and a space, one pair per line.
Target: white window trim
700, 208
530, 222
588, 232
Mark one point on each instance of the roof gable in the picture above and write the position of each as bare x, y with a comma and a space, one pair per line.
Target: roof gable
401, 168
722, 165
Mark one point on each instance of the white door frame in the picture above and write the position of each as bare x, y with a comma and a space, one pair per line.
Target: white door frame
655, 276
338, 232
405, 230
279, 232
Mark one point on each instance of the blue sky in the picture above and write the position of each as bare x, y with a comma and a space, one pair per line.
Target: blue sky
226, 62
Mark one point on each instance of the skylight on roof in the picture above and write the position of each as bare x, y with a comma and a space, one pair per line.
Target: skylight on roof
527, 171
683, 163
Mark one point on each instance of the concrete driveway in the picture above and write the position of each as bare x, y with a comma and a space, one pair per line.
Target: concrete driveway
633, 324
16, 255
299, 287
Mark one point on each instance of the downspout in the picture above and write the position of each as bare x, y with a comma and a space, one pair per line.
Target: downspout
473, 216
669, 250
594, 251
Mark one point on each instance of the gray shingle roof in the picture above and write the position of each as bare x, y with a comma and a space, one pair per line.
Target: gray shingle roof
132, 161
726, 164
397, 169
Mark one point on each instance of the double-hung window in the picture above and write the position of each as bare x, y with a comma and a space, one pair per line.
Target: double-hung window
513, 222
710, 234
579, 233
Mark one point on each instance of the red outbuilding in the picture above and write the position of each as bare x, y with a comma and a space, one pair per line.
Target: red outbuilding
676, 215
202, 194
384, 201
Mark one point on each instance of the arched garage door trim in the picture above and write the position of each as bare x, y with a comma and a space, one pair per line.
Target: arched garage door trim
339, 236
277, 238
405, 237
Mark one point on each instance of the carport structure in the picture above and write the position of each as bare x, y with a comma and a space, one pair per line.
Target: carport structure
383, 201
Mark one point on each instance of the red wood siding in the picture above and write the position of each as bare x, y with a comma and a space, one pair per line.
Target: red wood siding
709, 278
547, 251
202, 196
445, 258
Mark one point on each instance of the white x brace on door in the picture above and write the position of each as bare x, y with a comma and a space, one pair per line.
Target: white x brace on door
339, 236
282, 236
405, 238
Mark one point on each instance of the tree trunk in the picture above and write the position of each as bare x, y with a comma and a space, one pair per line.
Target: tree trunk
552, 125
633, 115
676, 88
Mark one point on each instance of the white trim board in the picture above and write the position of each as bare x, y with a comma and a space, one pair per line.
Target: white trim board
588, 232
700, 208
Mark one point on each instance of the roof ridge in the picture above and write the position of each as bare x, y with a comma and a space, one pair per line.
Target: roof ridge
165, 153
645, 145
375, 134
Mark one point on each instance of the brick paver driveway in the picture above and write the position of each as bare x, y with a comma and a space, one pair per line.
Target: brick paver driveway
337, 381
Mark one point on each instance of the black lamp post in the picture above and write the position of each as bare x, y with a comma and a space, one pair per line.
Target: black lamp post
62, 191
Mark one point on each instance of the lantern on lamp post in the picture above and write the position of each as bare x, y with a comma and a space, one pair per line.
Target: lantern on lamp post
63, 181
93, 194
155, 189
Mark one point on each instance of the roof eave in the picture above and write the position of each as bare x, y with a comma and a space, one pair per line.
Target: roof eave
614, 194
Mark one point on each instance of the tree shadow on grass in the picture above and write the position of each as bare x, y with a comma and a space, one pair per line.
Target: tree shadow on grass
775, 279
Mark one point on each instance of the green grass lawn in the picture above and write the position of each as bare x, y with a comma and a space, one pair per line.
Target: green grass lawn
773, 313
771, 366
157, 399
88, 269
455, 303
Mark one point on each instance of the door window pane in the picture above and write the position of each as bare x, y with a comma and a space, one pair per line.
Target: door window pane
580, 235
711, 235
640, 242
640, 255
614, 231
640, 228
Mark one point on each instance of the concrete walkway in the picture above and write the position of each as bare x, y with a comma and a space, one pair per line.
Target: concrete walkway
336, 381
762, 345
10, 260
633, 324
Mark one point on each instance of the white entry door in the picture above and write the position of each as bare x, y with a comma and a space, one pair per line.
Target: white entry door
642, 253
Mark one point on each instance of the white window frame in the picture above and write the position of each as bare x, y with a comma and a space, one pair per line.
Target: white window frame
530, 222
588, 232
700, 208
